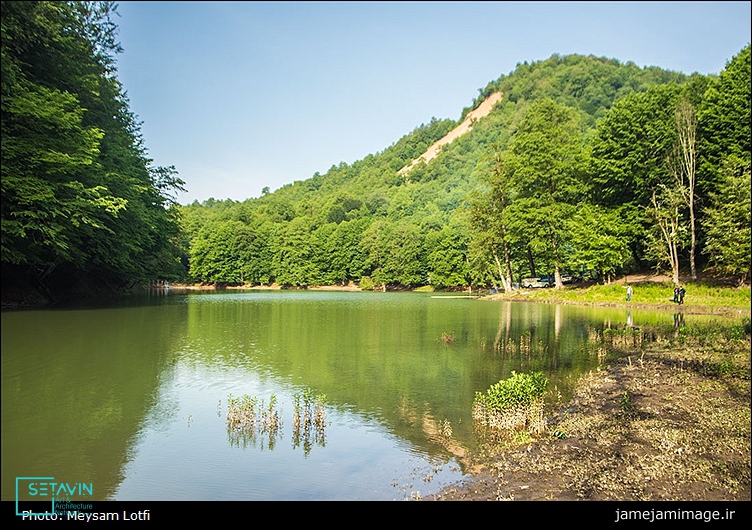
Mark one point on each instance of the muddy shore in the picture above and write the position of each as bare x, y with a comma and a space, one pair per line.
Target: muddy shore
655, 422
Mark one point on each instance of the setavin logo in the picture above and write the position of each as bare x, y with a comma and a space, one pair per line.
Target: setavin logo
29, 489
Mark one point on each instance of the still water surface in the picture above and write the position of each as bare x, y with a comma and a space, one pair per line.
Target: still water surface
132, 397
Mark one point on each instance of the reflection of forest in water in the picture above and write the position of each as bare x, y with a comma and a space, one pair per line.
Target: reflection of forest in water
110, 395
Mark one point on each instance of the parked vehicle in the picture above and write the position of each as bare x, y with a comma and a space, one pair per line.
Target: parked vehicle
534, 283
568, 278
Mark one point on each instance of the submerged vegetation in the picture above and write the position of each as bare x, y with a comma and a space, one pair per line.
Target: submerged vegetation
512, 405
309, 420
250, 421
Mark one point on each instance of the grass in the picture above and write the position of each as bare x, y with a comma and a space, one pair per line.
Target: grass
699, 294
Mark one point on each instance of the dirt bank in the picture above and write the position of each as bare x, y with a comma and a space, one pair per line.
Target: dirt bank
654, 423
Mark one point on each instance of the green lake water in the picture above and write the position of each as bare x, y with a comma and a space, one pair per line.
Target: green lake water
132, 397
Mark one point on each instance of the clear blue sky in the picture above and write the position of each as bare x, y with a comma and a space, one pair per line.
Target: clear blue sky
243, 95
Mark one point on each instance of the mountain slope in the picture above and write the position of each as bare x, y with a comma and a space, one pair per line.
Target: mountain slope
473, 116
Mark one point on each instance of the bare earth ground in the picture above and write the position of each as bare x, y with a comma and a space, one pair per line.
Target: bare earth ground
650, 424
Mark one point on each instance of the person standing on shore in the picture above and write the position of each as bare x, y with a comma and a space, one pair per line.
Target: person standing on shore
681, 294
629, 293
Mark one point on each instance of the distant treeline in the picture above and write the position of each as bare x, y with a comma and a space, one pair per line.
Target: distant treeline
585, 165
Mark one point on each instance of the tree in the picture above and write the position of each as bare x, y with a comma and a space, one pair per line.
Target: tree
683, 163
546, 164
599, 240
665, 240
487, 216
724, 121
728, 221
724, 152
294, 254
80, 198
631, 145
446, 258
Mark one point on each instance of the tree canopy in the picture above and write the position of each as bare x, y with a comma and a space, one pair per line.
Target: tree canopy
81, 200
560, 177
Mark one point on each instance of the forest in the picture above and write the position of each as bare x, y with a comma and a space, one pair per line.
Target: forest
587, 166
84, 210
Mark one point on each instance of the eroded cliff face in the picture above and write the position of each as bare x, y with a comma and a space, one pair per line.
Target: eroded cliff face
473, 116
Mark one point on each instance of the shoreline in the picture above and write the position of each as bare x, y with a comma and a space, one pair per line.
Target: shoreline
655, 421
517, 296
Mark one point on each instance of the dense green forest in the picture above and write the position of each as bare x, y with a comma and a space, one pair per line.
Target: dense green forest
586, 166
83, 207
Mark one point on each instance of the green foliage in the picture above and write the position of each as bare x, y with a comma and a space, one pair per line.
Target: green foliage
79, 196
625, 402
558, 175
630, 148
724, 121
728, 221
518, 390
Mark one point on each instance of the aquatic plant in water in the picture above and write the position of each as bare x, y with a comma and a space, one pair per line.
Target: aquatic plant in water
309, 420
512, 405
247, 418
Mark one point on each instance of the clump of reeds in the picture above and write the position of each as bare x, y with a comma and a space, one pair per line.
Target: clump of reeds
241, 413
247, 417
309, 420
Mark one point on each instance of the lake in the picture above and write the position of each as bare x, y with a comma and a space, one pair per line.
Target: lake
132, 397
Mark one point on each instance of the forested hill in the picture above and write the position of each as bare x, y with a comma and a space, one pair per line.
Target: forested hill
584, 165
568, 157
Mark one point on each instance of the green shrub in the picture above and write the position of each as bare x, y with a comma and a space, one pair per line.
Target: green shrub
517, 390
512, 404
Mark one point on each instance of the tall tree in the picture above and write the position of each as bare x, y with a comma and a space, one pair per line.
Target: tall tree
546, 165
666, 240
684, 167
487, 215
80, 198
724, 121
728, 221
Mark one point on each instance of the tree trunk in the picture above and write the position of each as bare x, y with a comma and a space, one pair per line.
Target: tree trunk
531, 262
686, 125
558, 284
504, 281
667, 219
508, 264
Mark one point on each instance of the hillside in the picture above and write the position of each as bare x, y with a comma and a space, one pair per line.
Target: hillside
400, 217
472, 117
